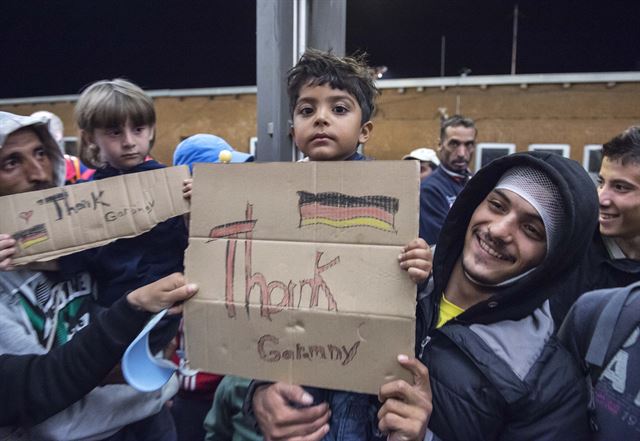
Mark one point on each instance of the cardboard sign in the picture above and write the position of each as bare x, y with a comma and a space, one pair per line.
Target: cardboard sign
58, 221
298, 271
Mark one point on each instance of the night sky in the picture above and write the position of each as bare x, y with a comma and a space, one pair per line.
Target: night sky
57, 47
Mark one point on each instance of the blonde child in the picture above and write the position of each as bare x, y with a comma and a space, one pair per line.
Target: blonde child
117, 124
117, 127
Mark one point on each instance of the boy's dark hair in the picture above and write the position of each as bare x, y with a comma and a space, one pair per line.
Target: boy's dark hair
624, 147
351, 74
455, 121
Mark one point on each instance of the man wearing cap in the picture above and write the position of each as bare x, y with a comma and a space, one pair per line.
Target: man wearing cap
428, 158
208, 148
76, 170
485, 331
41, 310
438, 191
195, 397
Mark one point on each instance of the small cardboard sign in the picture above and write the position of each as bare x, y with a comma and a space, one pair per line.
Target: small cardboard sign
58, 221
298, 271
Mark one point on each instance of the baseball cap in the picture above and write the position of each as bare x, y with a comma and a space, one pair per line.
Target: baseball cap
423, 154
204, 147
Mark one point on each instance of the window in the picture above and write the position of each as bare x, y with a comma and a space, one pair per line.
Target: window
591, 160
70, 144
488, 151
558, 149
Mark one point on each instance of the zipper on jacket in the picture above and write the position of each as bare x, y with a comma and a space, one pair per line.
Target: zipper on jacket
423, 344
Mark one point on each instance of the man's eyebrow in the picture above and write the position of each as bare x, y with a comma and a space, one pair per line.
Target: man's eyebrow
622, 181
500, 193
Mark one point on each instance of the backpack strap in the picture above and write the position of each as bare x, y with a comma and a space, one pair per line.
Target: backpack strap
603, 332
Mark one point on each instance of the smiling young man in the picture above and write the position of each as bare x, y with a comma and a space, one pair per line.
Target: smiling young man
613, 259
485, 330
439, 190
619, 193
603, 326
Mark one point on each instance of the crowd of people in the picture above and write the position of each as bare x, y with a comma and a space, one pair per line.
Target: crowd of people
527, 318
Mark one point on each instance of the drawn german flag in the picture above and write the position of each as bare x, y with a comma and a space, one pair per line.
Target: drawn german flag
340, 210
31, 236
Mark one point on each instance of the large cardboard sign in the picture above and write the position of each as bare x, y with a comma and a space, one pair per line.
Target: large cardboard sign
298, 271
58, 221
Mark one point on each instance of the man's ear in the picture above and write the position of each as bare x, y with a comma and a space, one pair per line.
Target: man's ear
365, 132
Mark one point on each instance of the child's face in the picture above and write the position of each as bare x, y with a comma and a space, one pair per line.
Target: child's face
327, 123
124, 147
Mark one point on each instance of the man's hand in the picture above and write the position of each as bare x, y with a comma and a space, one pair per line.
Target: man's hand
7, 250
416, 259
406, 408
163, 293
279, 420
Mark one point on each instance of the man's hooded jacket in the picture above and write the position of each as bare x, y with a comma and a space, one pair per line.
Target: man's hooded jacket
497, 372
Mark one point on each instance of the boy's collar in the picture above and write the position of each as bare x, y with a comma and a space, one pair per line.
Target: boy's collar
613, 249
355, 157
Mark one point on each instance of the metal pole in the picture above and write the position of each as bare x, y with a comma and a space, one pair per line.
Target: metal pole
443, 48
514, 43
275, 50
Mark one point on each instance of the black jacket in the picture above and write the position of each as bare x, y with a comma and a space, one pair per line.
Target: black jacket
497, 371
35, 387
595, 330
596, 271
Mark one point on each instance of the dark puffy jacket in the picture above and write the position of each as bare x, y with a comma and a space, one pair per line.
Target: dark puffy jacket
598, 330
497, 371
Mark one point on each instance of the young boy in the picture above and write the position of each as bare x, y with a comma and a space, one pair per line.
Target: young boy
331, 102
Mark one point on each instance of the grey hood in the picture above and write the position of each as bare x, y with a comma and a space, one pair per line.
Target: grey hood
10, 123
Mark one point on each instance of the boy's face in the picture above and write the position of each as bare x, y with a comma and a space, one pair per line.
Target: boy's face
123, 147
505, 238
327, 123
619, 197
25, 163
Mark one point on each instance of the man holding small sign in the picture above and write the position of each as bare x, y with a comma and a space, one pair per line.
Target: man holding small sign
41, 310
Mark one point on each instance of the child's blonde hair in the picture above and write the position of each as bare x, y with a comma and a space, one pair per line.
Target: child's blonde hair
109, 104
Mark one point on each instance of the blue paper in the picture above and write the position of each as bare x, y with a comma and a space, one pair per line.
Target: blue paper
140, 368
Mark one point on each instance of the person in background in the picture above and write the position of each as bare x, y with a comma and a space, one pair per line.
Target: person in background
439, 190
613, 259
603, 326
226, 420
76, 170
428, 159
195, 397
